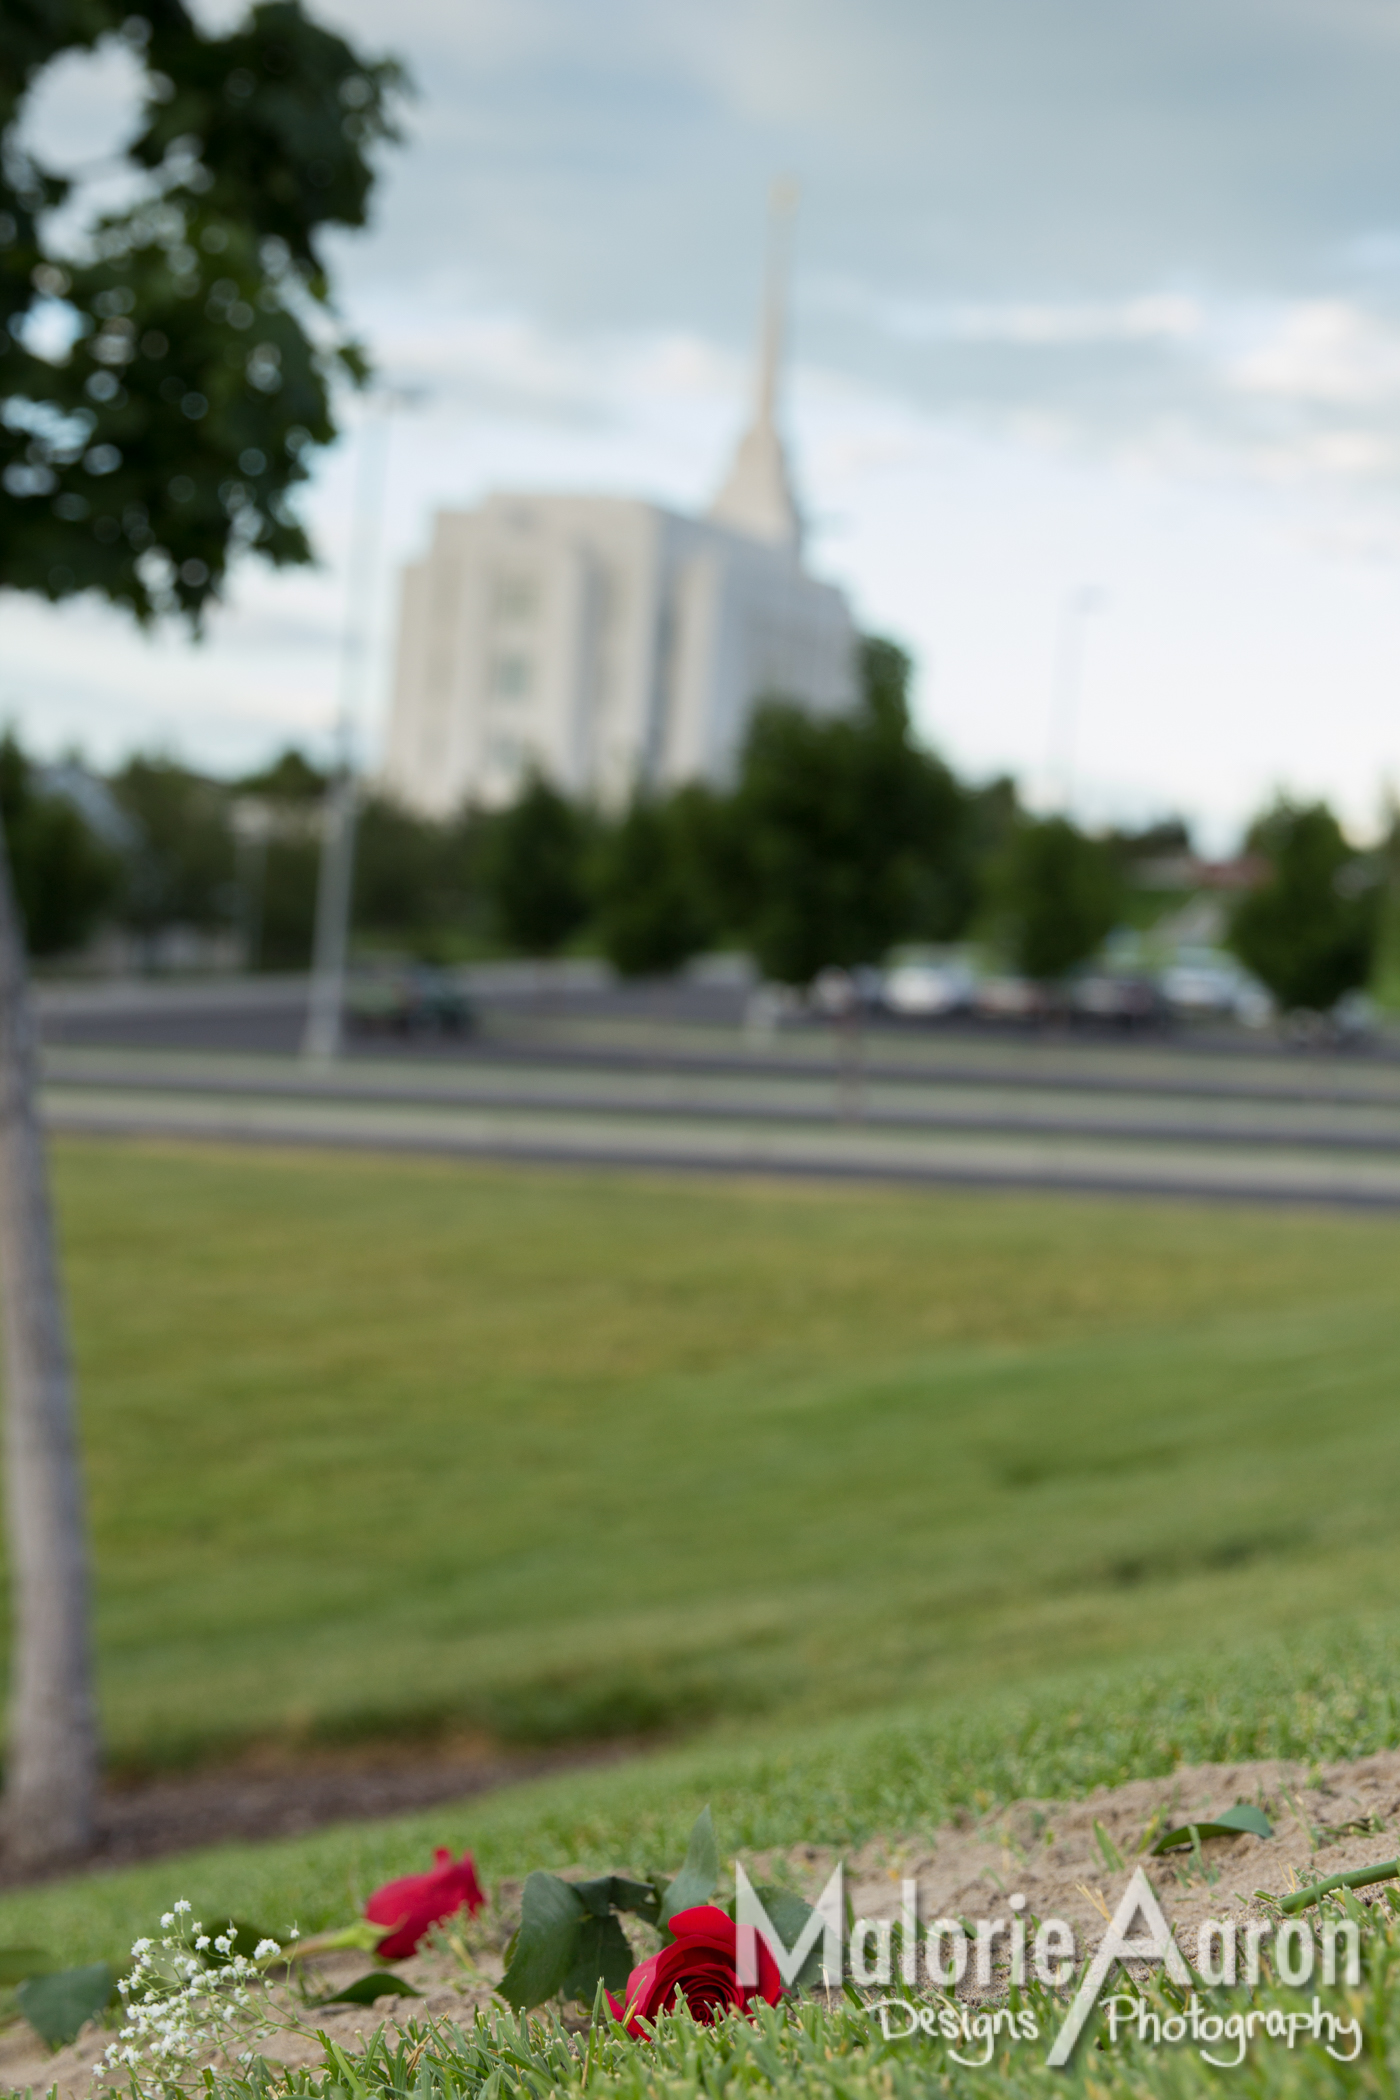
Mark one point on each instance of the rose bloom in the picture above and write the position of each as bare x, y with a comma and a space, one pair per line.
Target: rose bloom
701, 1965
412, 1905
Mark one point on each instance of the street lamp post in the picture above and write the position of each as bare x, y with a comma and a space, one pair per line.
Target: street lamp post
1064, 701
321, 1039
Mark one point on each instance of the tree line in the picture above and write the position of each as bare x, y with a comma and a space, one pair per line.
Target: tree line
840, 838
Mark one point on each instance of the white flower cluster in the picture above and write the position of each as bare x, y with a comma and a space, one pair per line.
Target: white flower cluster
189, 1996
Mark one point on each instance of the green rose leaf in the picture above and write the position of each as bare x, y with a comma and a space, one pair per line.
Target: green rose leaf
60, 2005
1228, 1824
788, 1915
595, 1895
609, 1892
602, 1956
545, 1950
644, 1898
696, 1881
380, 1983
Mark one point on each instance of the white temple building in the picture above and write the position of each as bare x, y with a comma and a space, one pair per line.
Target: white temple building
609, 642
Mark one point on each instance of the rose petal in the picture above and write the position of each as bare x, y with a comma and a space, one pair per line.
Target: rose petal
412, 1905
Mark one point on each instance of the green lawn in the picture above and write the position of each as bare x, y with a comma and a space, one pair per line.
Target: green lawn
919, 1501
379, 1446
1330, 1693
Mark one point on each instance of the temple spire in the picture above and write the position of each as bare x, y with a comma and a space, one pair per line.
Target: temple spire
756, 496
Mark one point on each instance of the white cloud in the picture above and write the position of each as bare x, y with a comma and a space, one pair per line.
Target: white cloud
1150, 317
1325, 351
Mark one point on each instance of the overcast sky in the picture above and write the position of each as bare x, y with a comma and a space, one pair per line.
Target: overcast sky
1087, 293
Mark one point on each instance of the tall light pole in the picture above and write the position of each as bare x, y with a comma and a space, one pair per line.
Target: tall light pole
1075, 610
321, 1039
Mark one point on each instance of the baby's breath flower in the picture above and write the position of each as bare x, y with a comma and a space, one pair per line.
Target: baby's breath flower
187, 2010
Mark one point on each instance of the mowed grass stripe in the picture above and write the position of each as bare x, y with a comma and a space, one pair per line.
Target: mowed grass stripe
376, 1445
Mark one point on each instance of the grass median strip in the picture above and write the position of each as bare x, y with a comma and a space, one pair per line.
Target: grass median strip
382, 1446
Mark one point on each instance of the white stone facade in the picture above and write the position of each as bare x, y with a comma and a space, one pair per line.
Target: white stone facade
605, 641
608, 642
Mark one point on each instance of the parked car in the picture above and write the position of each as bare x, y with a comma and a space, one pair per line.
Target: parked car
836, 992
926, 985
1354, 1018
1346, 1026
406, 999
1206, 983
1126, 998
1010, 999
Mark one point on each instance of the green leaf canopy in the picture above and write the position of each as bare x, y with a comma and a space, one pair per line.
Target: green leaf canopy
198, 344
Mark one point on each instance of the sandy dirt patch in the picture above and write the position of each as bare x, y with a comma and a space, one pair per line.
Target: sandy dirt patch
1326, 1820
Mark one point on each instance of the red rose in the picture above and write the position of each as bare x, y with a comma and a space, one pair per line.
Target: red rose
701, 1962
418, 1901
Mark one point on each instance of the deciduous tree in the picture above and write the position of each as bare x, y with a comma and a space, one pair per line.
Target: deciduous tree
853, 836
538, 854
64, 876
1309, 930
1060, 894
165, 436
649, 897
181, 868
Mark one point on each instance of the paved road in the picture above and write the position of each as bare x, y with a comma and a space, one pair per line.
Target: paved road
561, 1074
959, 1099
